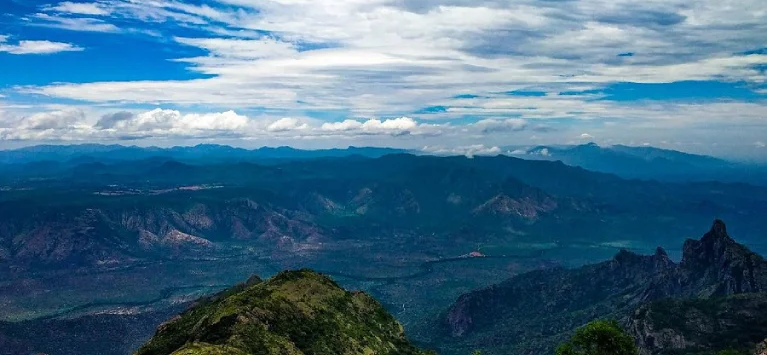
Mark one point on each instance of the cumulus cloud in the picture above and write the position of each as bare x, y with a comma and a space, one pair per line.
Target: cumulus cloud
586, 136
51, 120
76, 124
401, 124
160, 121
394, 126
59, 125
287, 124
469, 151
345, 126
36, 47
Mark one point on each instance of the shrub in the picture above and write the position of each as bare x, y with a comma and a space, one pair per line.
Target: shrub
599, 338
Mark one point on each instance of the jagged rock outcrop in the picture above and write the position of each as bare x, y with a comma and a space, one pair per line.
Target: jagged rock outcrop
295, 312
761, 348
700, 326
530, 313
716, 265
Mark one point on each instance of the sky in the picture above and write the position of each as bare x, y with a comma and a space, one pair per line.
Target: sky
439, 75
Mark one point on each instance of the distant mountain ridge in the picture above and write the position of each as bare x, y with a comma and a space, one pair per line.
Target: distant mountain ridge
88, 152
648, 163
625, 161
531, 312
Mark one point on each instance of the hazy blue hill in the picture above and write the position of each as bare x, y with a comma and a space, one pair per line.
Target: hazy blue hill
652, 153
628, 162
649, 163
74, 154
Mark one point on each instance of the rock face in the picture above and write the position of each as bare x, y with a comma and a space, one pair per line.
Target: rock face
718, 266
296, 312
532, 312
121, 233
698, 326
761, 348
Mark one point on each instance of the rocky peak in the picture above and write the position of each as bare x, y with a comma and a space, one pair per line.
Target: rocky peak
718, 230
712, 267
661, 259
648, 263
716, 265
710, 250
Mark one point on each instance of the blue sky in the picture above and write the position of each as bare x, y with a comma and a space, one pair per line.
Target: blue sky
435, 74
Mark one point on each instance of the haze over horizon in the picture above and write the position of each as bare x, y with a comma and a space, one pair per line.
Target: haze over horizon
447, 74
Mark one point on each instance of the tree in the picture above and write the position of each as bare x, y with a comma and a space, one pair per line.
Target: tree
599, 338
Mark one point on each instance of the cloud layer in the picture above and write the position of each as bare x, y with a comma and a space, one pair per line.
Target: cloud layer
70, 124
474, 71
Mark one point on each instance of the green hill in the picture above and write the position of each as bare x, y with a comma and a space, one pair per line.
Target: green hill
295, 312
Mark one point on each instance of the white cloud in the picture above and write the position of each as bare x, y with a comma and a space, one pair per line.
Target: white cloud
469, 151
392, 58
51, 120
69, 123
74, 124
396, 124
542, 152
346, 125
60, 124
73, 23
159, 119
79, 8
760, 144
242, 49
586, 136
383, 58
287, 124
36, 47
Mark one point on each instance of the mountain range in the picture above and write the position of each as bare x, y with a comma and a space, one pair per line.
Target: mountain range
108, 248
643, 162
110, 214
